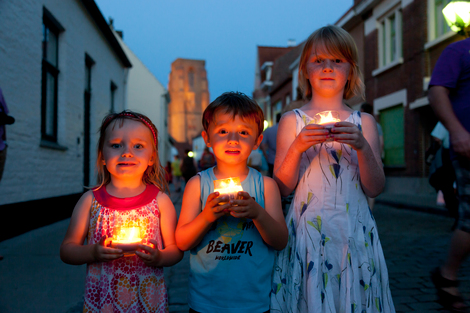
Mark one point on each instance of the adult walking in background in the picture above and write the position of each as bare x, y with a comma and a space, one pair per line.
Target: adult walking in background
449, 96
188, 166
441, 172
176, 173
269, 145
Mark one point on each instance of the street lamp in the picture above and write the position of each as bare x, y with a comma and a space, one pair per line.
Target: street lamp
457, 16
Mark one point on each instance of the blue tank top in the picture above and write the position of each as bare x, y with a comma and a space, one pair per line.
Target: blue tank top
230, 269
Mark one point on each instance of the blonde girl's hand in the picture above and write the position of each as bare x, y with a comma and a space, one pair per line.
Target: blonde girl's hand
151, 254
310, 135
102, 253
246, 207
213, 209
348, 133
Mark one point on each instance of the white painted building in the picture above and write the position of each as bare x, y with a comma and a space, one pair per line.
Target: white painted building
146, 95
59, 63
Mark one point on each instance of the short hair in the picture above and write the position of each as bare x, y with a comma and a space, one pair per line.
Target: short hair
235, 103
339, 43
366, 107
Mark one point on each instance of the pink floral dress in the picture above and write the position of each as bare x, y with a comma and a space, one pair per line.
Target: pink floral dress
125, 284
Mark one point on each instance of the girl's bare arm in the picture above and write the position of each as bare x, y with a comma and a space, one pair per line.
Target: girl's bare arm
72, 250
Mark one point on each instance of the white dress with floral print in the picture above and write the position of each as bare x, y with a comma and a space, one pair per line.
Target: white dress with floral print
333, 261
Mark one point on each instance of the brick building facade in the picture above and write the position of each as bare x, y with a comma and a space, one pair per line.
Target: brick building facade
400, 41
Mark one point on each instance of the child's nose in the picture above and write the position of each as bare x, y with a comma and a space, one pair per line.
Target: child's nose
233, 137
327, 65
127, 151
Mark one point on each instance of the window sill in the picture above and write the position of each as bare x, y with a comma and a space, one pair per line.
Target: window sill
387, 67
439, 39
52, 145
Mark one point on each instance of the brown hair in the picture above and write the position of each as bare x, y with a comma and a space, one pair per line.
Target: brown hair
155, 173
235, 103
338, 43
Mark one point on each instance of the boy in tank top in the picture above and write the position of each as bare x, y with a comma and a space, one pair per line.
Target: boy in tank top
232, 240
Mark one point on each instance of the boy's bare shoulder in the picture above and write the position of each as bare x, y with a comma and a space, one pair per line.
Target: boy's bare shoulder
269, 182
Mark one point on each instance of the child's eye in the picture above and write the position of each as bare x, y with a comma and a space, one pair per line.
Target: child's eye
222, 131
338, 61
244, 132
138, 146
115, 145
318, 60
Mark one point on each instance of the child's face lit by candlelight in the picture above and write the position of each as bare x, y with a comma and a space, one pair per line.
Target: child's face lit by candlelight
327, 74
232, 139
128, 150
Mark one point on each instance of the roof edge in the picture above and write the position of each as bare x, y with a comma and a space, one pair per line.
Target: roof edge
100, 21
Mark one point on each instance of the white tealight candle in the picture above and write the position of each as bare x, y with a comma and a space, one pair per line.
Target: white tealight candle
228, 186
127, 239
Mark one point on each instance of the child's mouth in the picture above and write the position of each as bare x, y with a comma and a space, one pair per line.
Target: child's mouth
232, 151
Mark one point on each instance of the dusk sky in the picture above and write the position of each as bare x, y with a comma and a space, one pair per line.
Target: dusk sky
224, 33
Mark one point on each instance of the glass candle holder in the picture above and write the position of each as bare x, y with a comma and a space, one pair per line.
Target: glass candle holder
228, 186
127, 238
327, 119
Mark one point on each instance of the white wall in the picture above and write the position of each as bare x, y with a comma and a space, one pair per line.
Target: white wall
34, 172
146, 95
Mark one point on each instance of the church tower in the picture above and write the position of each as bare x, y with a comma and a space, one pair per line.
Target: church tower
189, 95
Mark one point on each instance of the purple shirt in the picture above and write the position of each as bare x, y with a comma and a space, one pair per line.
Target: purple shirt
452, 71
3, 108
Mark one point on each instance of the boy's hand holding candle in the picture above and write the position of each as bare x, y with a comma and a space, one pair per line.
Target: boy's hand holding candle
245, 206
216, 206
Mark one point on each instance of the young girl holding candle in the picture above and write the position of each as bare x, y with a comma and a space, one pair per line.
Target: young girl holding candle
333, 261
232, 241
130, 193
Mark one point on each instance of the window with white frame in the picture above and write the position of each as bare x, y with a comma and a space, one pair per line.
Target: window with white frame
390, 38
437, 25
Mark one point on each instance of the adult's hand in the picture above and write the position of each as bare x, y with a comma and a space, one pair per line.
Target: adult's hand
461, 143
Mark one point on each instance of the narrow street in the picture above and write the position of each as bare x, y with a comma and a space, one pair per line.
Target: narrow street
414, 243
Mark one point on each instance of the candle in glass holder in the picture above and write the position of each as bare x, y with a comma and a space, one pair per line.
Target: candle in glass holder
327, 119
126, 238
228, 186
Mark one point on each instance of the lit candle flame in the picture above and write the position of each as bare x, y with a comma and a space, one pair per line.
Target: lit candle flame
230, 186
128, 235
326, 117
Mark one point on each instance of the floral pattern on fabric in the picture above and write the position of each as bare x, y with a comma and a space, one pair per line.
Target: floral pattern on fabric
126, 284
333, 261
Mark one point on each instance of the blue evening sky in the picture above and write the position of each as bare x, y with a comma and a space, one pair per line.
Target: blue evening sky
224, 33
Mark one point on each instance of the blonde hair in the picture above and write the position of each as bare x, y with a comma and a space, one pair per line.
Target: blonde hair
337, 43
154, 174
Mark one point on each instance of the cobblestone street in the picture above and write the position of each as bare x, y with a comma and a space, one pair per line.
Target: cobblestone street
414, 243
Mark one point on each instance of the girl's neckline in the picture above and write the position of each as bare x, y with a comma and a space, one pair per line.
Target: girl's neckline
312, 117
106, 200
